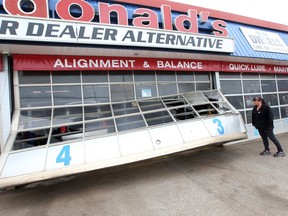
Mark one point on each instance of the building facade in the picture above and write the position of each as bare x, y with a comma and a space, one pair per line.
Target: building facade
79, 70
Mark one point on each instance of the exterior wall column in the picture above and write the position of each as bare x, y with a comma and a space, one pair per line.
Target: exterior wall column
5, 103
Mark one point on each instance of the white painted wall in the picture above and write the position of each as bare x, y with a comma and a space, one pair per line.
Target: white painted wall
5, 114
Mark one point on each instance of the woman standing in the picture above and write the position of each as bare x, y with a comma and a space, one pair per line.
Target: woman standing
262, 119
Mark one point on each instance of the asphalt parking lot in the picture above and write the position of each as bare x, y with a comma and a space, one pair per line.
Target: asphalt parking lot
234, 180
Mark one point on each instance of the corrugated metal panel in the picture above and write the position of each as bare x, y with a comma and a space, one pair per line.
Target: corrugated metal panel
243, 48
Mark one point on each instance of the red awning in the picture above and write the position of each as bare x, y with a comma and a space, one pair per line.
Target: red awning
86, 63
56, 63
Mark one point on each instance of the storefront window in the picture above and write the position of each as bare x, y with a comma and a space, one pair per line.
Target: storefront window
196, 98
33, 77
284, 112
251, 86
267, 76
67, 115
202, 77
125, 108
121, 76
203, 86
166, 76
283, 85
96, 94
145, 91
33, 138
249, 116
61, 77
275, 112
183, 113
271, 99
35, 96
230, 76
205, 110
231, 86
167, 89
249, 100
283, 98
95, 77
213, 96
174, 101
121, 92
222, 107
243, 115
97, 112
186, 87
130, 122
236, 101
185, 76
67, 95
146, 76
250, 76
96, 103
151, 105
35, 118
158, 118
66, 133
268, 86
99, 128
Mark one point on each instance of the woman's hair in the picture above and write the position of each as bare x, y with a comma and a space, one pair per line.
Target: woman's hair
258, 98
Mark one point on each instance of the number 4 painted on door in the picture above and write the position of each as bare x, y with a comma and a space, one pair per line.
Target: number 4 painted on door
64, 156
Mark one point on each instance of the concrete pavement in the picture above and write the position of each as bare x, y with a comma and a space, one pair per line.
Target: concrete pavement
233, 180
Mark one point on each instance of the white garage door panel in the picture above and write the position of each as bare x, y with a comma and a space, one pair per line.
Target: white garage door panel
134, 143
101, 149
218, 126
193, 131
25, 163
65, 155
166, 136
235, 125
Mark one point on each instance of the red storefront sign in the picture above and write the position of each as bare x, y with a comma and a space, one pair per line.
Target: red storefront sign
88, 63
104, 10
61, 63
254, 68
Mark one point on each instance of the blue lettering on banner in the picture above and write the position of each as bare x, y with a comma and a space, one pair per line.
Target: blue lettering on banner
64, 156
220, 128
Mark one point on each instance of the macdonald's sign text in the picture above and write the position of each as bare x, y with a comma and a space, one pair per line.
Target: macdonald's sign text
93, 26
142, 17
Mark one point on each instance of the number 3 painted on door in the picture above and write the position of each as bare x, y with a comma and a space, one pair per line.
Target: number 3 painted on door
64, 156
220, 128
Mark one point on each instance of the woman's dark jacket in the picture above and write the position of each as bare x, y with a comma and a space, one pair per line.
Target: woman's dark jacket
263, 118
